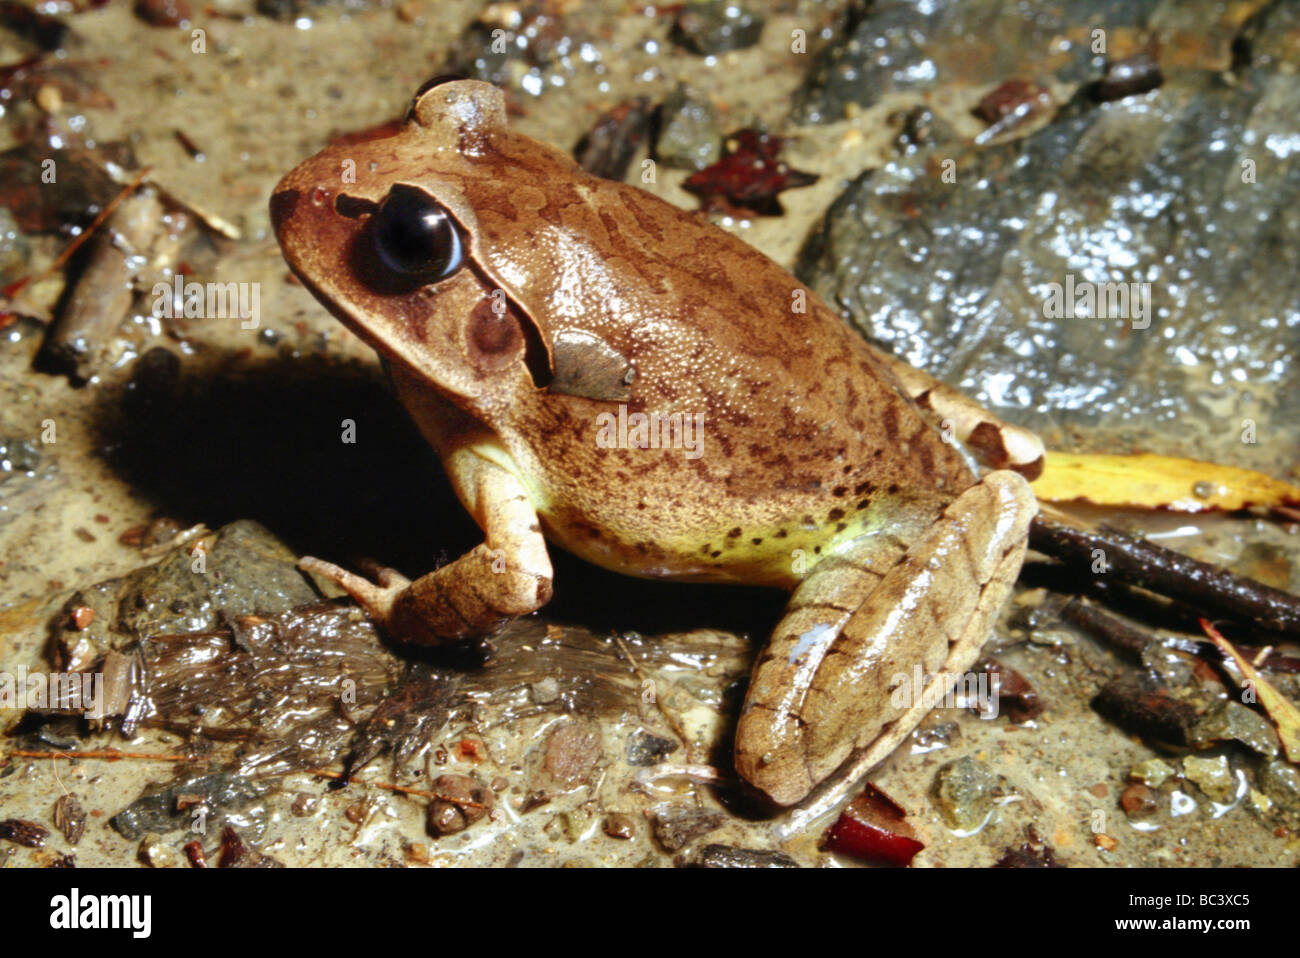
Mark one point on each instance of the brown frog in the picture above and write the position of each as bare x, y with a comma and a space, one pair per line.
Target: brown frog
603, 370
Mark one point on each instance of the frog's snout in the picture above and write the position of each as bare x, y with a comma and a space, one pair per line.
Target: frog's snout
284, 203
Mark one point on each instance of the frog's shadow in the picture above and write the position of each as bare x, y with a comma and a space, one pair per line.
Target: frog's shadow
268, 443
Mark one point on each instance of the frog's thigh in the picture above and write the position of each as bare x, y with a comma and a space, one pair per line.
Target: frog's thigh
995, 443
825, 687
507, 575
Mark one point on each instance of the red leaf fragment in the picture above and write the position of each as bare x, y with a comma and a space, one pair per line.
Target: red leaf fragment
872, 828
749, 175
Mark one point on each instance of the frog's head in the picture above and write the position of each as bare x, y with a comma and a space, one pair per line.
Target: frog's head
384, 232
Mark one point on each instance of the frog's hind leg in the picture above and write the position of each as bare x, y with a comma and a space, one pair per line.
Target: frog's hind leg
834, 684
995, 443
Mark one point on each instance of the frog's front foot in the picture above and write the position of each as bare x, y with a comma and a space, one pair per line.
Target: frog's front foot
475, 596
377, 600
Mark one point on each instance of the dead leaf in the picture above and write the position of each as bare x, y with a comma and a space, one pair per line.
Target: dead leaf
1148, 481
1279, 708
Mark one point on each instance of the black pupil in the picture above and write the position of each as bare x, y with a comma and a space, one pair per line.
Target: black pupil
414, 236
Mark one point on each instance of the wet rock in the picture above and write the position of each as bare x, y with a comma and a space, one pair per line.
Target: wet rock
676, 825
689, 135
1280, 781
1139, 802
14, 248
1128, 77
572, 750
289, 10
304, 805
569, 826
969, 280
1153, 772
163, 13
716, 26
909, 45
920, 128
618, 825
728, 856
546, 691
22, 832
237, 571
645, 749
607, 149
155, 854
1029, 855
462, 801
521, 46
70, 818
165, 808
18, 455
1232, 720
1212, 776
964, 792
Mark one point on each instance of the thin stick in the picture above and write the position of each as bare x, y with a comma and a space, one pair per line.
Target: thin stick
668, 716
404, 789
109, 754
1142, 563
75, 245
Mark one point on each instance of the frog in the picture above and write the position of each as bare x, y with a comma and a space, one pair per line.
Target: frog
603, 371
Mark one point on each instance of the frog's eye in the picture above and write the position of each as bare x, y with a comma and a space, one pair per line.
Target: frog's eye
414, 237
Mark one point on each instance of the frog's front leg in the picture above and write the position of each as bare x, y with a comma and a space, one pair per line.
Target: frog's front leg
824, 691
507, 575
995, 443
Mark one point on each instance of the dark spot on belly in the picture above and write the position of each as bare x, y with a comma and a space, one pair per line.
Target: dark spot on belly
781, 533
862, 488
757, 542
734, 533
808, 521
817, 550
835, 514
839, 491
864, 503
714, 554
841, 526
704, 550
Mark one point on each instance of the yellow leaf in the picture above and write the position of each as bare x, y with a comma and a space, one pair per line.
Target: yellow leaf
1158, 482
1279, 708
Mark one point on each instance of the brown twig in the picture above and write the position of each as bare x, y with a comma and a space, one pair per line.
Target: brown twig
1143, 563
404, 789
89, 231
109, 754
1111, 629
668, 716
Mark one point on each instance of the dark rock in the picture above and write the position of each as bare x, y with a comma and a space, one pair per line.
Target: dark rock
728, 856
676, 825
715, 27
